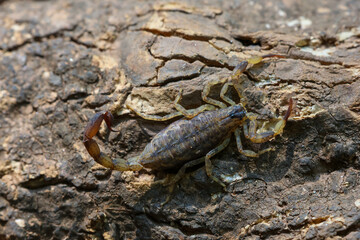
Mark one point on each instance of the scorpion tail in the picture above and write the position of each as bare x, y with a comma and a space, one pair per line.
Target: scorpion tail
93, 148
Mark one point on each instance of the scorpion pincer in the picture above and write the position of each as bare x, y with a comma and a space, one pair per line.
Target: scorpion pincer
205, 131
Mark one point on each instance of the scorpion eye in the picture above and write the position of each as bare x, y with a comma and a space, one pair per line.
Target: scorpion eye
237, 112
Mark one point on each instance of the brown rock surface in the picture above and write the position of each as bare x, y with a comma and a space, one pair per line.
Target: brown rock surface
62, 61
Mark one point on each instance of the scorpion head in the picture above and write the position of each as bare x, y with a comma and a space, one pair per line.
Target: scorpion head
233, 116
238, 112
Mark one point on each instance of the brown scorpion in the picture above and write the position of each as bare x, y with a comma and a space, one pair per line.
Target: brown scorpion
205, 131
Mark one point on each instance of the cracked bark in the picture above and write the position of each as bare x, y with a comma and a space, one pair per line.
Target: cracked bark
72, 59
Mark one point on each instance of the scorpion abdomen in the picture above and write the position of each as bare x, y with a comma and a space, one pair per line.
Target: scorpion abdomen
186, 140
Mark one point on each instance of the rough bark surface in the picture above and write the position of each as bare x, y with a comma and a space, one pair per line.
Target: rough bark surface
62, 61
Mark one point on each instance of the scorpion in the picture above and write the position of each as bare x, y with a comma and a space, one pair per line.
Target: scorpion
205, 131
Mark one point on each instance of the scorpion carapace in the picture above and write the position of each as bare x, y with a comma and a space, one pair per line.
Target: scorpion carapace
204, 132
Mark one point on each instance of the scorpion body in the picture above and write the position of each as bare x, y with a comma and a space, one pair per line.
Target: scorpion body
188, 142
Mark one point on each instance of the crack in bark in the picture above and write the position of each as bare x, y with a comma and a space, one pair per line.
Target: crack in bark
300, 55
293, 52
188, 77
179, 11
87, 45
174, 33
41, 182
58, 34
176, 224
207, 62
306, 224
184, 58
247, 40
219, 48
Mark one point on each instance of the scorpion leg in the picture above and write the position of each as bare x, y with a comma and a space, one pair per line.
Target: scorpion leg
93, 148
206, 92
223, 96
236, 83
235, 77
248, 153
224, 90
241, 67
191, 113
154, 117
250, 131
181, 111
208, 165
180, 174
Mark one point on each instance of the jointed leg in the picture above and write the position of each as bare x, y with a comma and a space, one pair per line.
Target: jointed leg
191, 112
206, 92
181, 111
210, 154
241, 67
154, 117
248, 153
235, 77
224, 90
223, 96
180, 174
